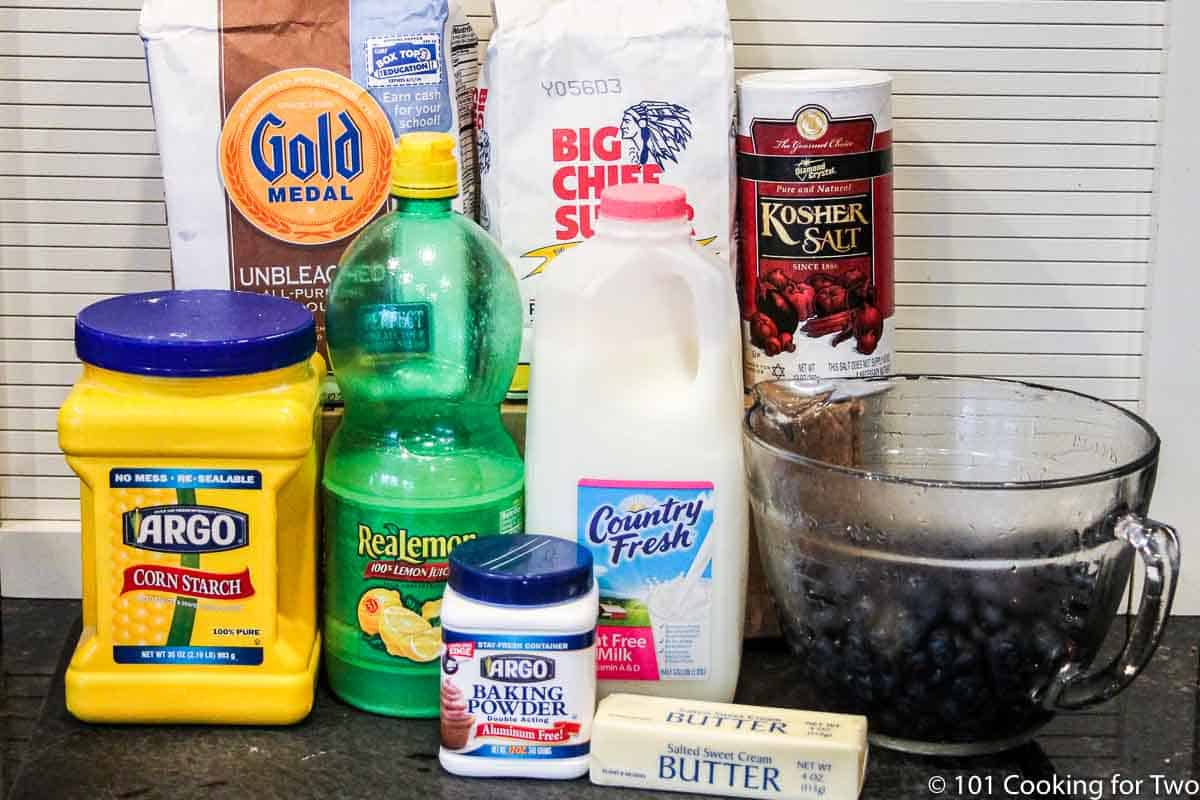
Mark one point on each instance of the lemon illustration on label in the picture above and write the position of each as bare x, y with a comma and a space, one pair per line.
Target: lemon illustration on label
372, 604
425, 646
397, 625
432, 609
305, 156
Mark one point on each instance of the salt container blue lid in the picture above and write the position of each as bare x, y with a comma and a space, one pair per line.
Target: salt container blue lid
521, 570
196, 333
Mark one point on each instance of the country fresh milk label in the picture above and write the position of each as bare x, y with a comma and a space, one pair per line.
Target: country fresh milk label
648, 541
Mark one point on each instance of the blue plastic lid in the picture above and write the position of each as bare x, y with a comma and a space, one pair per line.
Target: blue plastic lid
521, 570
194, 334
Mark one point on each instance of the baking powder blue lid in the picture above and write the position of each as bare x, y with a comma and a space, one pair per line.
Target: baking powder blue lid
521, 570
194, 334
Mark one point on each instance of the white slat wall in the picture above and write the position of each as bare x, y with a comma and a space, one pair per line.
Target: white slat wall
1025, 156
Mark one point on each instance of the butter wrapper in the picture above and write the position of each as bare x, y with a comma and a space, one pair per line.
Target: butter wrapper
727, 750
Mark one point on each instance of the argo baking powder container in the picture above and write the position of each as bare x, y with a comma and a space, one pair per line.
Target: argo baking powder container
815, 184
519, 665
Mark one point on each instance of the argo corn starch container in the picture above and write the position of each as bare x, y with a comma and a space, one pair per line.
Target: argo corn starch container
194, 430
815, 194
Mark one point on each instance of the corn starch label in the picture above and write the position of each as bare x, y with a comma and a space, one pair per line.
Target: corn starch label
185, 562
384, 607
648, 539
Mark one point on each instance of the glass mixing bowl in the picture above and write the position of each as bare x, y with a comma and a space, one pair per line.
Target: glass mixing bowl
948, 554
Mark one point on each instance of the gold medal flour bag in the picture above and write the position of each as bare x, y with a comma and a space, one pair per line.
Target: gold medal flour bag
576, 97
276, 120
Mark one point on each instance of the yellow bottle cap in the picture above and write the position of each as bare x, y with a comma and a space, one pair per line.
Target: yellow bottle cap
423, 165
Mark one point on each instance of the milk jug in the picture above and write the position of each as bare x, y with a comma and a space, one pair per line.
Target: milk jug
634, 443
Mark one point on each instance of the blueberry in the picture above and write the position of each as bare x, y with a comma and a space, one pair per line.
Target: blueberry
992, 618
844, 583
824, 618
799, 637
966, 654
941, 648
863, 610
959, 611
990, 587
917, 693
921, 595
951, 711
1077, 610
966, 689
909, 630
929, 725
1050, 644
861, 688
823, 653
919, 669
1004, 654
858, 654
883, 681
885, 633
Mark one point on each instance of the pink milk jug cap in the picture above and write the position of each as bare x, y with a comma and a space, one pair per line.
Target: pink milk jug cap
643, 201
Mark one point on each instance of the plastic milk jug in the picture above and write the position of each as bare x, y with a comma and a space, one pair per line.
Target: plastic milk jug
634, 443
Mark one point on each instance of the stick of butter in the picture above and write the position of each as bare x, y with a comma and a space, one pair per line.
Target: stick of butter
730, 750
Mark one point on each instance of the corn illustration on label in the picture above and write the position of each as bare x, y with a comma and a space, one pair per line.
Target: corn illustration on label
185, 561
386, 569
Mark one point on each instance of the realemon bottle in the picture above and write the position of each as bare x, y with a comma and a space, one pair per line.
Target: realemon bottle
424, 328
634, 443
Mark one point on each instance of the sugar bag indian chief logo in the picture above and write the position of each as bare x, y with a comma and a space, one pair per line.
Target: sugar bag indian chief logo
305, 155
656, 131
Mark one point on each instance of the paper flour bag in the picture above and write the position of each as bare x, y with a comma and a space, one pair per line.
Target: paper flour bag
276, 120
573, 100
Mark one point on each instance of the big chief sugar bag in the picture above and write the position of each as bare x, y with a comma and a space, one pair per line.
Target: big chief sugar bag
578, 95
276, 120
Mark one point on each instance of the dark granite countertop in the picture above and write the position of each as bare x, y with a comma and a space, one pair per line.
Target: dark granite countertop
339, 752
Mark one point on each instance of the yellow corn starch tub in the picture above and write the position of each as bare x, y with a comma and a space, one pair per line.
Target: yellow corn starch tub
194, 430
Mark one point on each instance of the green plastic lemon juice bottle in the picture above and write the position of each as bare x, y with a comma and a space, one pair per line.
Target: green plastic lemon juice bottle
424, 328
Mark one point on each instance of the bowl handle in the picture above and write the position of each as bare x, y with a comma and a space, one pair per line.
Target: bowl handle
1158, 547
